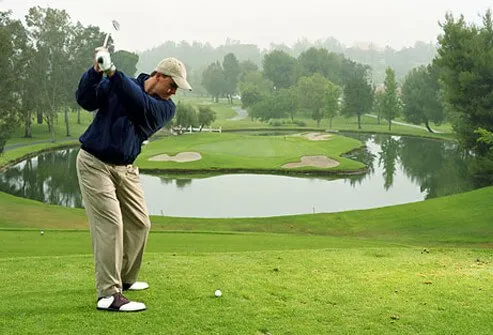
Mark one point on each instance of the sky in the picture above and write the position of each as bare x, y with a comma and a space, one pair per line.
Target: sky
148, 23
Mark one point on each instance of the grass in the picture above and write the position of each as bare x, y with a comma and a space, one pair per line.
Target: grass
419, 268
247, 153
460, 220
270, 283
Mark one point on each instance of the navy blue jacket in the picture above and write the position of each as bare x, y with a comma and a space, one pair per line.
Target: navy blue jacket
126, 117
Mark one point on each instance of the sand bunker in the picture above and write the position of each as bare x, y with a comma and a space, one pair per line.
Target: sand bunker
317, 136
316, 161
181, 157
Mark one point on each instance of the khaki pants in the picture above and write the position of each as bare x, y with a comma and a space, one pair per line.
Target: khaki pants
118, 220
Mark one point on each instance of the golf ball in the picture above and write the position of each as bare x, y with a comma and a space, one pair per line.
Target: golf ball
218, 293
42, 232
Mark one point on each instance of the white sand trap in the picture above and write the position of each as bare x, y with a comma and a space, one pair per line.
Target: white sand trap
316, 161
317, 136
182, 157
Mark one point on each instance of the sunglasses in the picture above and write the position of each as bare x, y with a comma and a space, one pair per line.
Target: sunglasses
173, 84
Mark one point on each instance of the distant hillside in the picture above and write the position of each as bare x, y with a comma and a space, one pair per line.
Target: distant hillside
197, 56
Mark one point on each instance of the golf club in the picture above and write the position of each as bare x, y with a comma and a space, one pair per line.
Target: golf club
116, 26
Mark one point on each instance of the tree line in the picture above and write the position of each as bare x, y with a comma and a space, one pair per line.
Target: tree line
197, 56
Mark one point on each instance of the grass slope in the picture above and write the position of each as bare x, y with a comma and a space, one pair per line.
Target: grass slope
462, 219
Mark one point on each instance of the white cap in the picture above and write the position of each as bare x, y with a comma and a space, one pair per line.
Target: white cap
175, 69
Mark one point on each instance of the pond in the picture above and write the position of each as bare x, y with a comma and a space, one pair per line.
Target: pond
401, 170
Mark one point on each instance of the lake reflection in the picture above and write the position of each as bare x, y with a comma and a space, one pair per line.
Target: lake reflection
400, 170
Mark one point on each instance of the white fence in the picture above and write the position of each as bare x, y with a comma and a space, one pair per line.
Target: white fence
181, 130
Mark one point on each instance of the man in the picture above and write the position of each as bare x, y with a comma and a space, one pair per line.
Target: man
129, 112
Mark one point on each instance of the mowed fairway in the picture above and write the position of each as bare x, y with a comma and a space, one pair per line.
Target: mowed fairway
271, 284
227, 151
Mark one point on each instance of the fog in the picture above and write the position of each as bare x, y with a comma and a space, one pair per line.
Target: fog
147, 23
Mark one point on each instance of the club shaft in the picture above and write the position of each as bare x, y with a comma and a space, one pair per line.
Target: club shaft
105, 44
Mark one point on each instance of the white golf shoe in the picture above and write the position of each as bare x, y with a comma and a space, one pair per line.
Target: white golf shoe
118, 303
137, 286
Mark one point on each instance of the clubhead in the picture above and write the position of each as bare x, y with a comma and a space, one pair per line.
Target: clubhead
116, 25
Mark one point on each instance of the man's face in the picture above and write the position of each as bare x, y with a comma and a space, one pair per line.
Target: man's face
165, 86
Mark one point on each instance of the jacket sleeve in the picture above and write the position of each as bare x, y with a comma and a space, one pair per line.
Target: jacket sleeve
86, 94
149, 114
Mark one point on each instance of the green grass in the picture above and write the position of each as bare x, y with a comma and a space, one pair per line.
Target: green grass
458, 220
419, 268
230, 152
22, 152
40, 131
270, 283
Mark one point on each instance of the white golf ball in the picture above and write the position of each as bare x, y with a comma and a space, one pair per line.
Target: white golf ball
218, 293
42, 232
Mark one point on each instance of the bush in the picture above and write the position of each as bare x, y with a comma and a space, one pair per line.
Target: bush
299, 123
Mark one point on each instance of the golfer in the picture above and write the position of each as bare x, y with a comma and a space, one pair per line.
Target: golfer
129, 111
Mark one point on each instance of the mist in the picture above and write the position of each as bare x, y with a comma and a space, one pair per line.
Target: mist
147, 24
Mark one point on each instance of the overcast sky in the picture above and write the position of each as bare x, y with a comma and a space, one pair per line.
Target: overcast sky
148, 23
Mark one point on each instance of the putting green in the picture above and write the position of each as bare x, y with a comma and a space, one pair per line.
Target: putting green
229, 151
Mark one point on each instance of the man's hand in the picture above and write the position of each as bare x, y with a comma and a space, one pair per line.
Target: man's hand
102, 61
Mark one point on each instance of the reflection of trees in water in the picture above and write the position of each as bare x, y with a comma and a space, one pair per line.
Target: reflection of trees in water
181, 183
50, 177
362, 155
438, 167
388, 158
366, 157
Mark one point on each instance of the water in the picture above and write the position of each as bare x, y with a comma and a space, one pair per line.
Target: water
401, 170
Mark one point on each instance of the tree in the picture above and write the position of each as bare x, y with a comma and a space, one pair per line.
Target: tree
213, 80
331, 101
287, 101
421, 97
253, 88
250, 95
205, 116
126, 61
186, 116
82, 43
465, 65
391, 104
485, 136
321, 61
246, 67
11, 36
49, 30
281, 69
312, 93
378, 102
232, 70
266, 109
357, 92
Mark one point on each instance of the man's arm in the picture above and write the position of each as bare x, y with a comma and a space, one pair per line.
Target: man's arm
149, 114
86, 95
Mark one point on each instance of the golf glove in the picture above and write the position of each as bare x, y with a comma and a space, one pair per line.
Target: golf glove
104, 61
